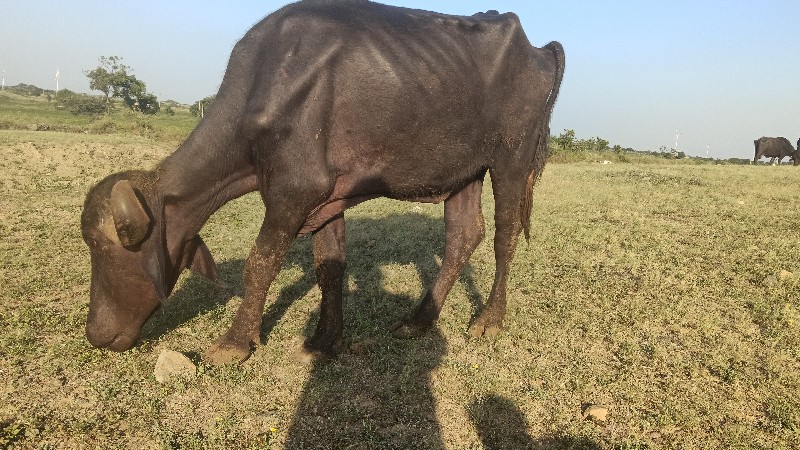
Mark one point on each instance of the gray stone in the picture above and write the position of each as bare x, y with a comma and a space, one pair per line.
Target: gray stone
173, 364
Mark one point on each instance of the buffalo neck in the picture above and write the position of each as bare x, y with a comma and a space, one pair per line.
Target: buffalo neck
208, 170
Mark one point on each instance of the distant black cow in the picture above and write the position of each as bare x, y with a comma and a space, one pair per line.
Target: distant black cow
778, 147
325, 105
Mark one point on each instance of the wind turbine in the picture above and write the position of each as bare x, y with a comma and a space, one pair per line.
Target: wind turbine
3, 86
58, 77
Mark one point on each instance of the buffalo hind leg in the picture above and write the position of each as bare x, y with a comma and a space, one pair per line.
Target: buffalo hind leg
329, 266
508, 196
464, 230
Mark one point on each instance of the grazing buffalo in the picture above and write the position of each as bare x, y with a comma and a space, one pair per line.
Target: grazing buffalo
325, 105
778, 147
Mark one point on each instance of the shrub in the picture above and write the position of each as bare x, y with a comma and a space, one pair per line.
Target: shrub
202, 107
80, 104
104, 126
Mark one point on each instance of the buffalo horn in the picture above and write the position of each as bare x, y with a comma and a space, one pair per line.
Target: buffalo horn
130, 219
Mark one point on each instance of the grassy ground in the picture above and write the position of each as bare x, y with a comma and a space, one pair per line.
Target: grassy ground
667, 293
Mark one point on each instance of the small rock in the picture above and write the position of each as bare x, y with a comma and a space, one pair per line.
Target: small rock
596, 412
173, 364
785, 275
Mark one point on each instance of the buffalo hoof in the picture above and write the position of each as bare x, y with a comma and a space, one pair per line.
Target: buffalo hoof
315, 351
308, 356
224, 353
479, 329
406, 330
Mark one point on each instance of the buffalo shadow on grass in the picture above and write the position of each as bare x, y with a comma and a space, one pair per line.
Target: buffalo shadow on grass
377, 393
193, 297
501, 425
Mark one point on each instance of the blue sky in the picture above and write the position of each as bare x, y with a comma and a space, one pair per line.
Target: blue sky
721, 73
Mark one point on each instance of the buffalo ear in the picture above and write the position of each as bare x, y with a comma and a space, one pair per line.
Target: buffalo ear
154, 251
201, 261
130, 218
153, 266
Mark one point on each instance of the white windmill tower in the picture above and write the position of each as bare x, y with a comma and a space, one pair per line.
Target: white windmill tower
3, 86
58, 77
677, 137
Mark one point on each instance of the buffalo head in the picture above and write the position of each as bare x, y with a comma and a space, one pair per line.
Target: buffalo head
135, 262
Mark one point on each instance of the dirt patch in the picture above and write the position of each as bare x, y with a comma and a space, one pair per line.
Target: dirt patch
31, 160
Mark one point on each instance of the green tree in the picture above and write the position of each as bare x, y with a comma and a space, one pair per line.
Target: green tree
201, 107
148, 104
135, 96
113, 79
566, 140
600, 144
107, 77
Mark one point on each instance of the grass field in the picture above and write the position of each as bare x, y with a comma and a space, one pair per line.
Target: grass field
667, 293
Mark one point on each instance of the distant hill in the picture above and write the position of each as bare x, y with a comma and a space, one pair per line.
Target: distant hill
29, 90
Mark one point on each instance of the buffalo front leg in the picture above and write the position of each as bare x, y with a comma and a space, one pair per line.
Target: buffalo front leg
261, 268
329, 266
464, 230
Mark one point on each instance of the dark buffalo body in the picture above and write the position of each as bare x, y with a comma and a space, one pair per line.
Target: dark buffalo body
324, 105
775, 147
